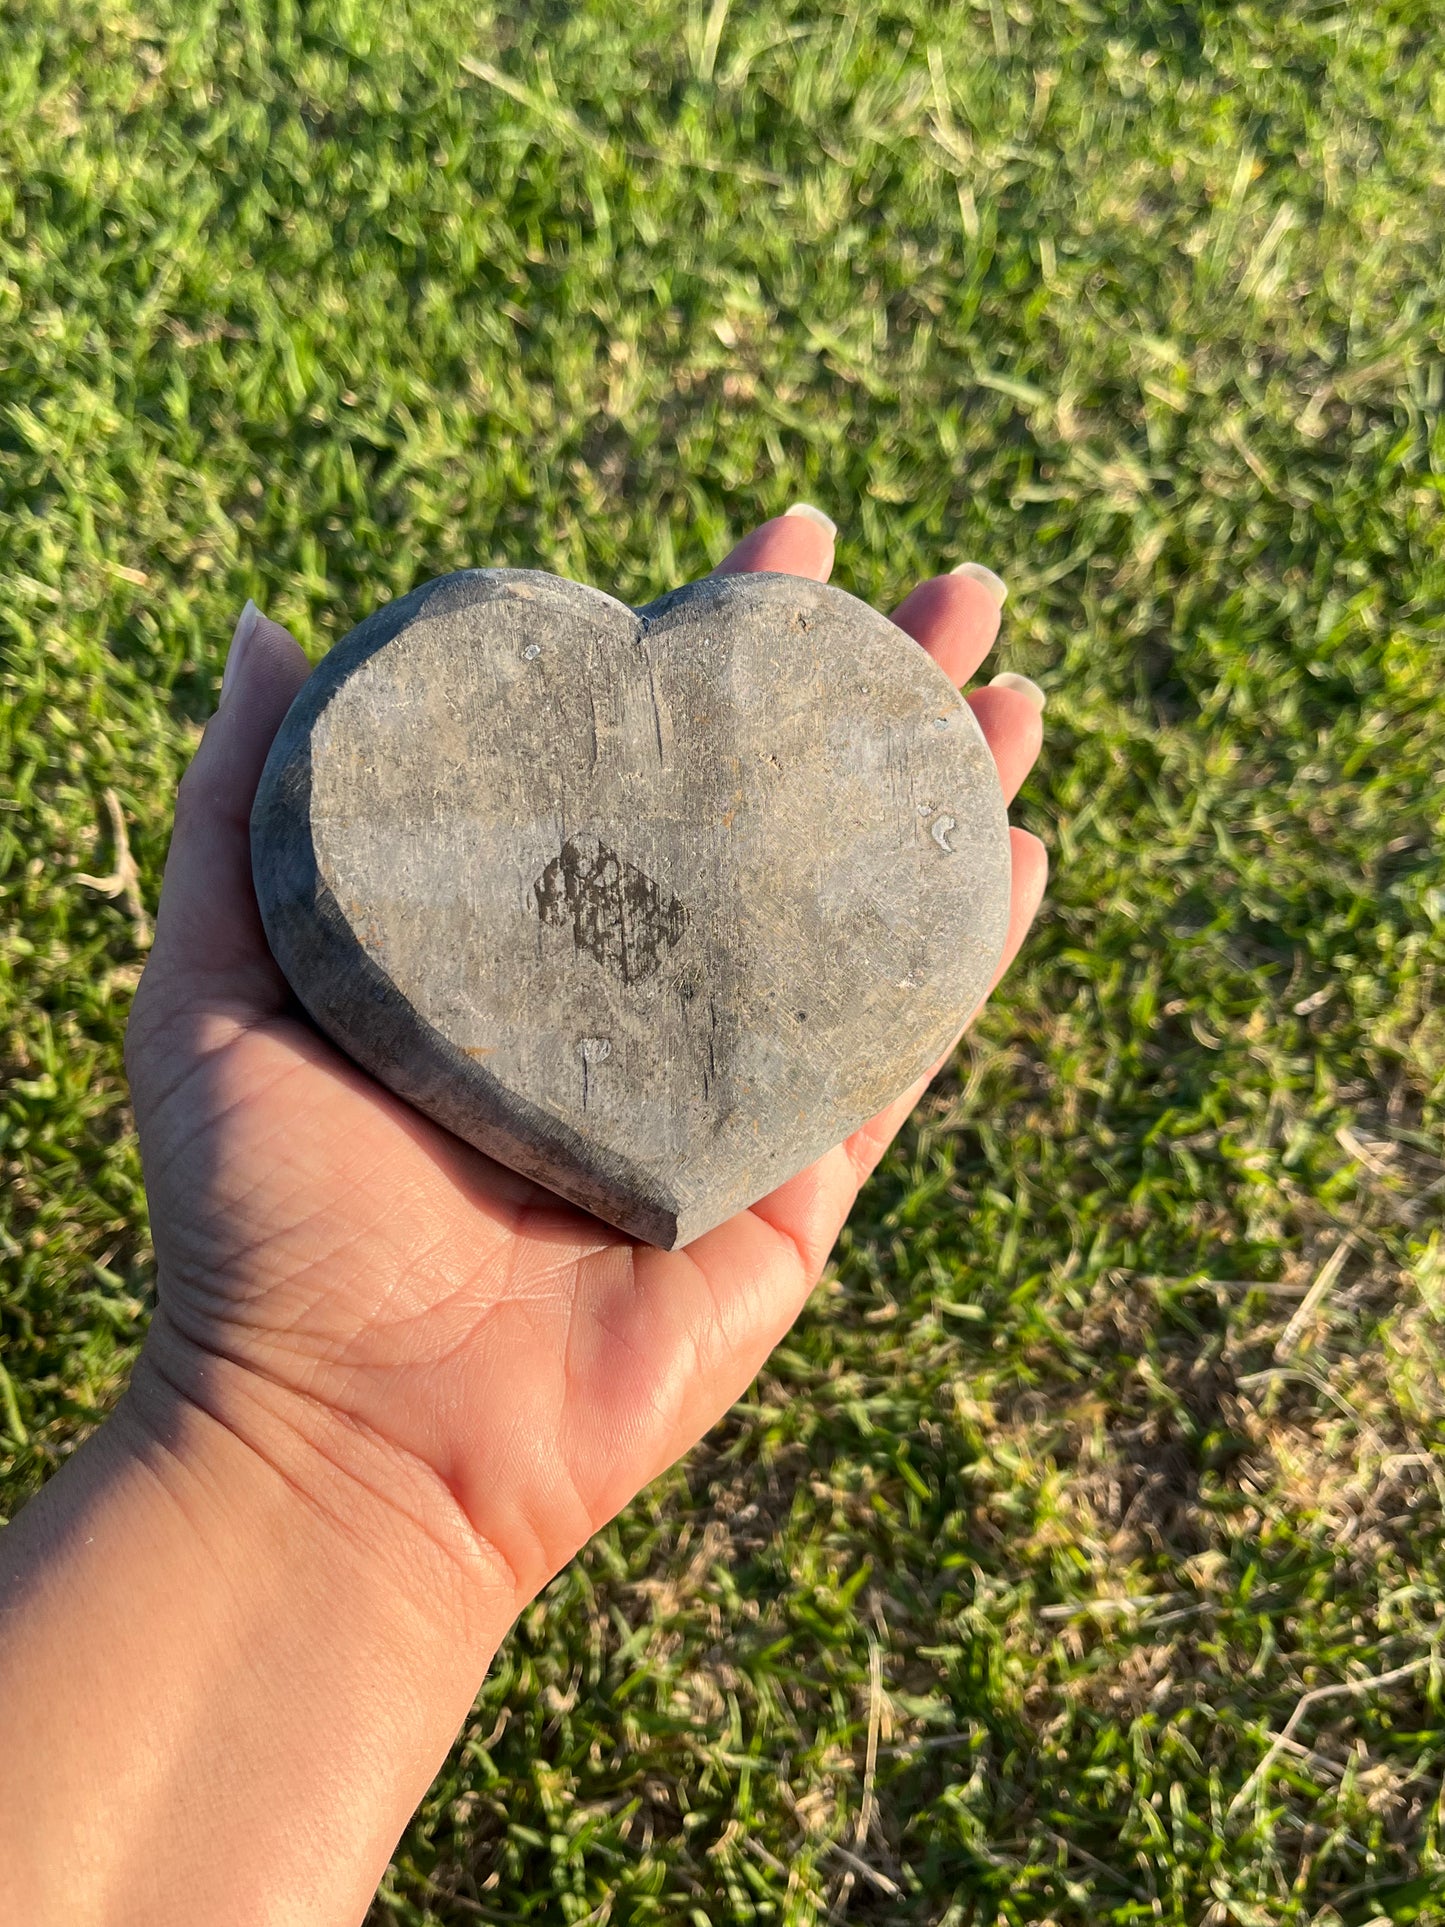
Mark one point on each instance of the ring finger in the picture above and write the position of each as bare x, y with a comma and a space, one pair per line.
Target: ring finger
956, 619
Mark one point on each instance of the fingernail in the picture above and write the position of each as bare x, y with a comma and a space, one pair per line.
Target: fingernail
246, 625
810, 514
995, 584
1025, 685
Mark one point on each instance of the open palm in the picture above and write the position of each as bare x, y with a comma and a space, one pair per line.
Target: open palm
510, 1369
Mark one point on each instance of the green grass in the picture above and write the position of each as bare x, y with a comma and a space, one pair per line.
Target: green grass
985, 1605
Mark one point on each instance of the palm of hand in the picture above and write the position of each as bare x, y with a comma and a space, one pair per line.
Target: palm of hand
314, 1231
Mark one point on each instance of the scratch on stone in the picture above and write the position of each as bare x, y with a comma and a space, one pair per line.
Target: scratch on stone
652, 692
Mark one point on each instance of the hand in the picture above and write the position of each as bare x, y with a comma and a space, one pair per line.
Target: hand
389, 1388
502, 1370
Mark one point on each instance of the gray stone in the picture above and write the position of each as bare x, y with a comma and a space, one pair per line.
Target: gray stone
653, 906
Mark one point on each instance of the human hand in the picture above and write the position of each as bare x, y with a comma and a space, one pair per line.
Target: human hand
337, 1273
389, 1388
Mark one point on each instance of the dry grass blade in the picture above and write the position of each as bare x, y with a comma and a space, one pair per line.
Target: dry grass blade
124, 879
1317, 1695
551, 111
712, 38
870, 1761
864, 1871
1324, 1284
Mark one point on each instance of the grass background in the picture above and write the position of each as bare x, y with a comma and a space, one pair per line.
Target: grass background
1117, 1427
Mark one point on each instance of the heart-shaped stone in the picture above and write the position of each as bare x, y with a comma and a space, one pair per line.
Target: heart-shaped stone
654, 906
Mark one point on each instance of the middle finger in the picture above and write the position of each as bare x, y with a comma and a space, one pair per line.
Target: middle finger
956, 619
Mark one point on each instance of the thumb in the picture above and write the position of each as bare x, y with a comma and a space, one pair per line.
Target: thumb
210, 949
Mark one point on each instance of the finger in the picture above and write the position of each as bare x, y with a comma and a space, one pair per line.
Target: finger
1013, 727
799, 542
1030, 880
955, 617
209, 939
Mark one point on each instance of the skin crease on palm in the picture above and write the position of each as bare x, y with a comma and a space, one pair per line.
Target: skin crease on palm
503, 1369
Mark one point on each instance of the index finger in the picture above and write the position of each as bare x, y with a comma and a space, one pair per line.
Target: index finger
798, 542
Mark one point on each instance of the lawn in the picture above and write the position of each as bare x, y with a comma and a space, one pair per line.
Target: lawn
1081, 1556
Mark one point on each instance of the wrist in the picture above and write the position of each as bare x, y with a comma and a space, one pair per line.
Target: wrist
232, 1442
241, 1660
